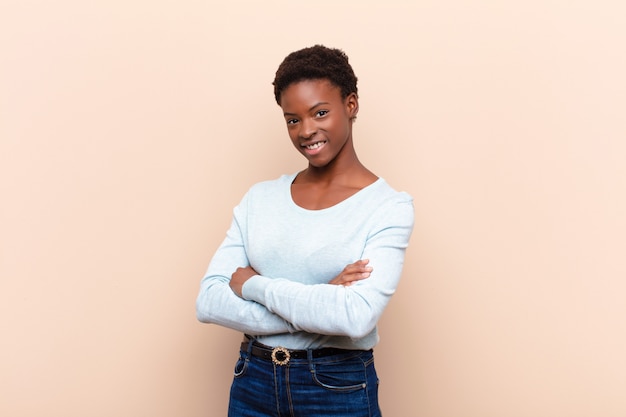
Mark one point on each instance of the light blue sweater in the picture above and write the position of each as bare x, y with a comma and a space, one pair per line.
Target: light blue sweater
296, 253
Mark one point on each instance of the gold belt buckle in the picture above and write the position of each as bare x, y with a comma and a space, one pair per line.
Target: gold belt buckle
280, 356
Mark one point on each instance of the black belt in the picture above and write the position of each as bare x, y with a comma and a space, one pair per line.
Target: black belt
281, 356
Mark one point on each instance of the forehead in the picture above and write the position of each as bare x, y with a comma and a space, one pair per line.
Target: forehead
310, 92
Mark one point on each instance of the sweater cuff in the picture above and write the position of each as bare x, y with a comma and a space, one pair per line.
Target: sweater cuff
254, 288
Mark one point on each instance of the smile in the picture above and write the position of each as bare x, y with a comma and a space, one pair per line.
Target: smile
315, 145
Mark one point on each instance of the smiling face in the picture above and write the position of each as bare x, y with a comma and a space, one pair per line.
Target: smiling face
319, 121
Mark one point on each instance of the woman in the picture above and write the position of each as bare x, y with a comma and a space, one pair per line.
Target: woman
311, 259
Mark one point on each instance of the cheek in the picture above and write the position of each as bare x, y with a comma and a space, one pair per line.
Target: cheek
339, 124
339, 129
293, 136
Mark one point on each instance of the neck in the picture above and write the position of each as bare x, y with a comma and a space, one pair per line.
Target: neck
347, 173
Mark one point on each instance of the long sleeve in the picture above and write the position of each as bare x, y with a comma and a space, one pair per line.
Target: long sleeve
217, 303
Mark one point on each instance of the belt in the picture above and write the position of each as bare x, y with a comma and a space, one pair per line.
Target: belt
281, 356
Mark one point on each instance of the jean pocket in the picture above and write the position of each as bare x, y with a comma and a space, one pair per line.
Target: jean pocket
340, 376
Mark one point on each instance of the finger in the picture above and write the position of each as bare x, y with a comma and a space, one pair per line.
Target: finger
357, 263
357, 269
350, 277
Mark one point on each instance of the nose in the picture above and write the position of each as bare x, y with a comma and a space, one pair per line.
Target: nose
307, 129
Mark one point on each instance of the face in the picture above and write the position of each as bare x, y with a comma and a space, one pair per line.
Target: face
318, 120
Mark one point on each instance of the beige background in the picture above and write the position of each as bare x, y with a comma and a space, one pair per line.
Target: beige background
129, 130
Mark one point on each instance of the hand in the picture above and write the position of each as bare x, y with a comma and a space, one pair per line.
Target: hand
239, 277
353, 272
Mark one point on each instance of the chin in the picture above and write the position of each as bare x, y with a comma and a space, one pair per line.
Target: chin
318, 165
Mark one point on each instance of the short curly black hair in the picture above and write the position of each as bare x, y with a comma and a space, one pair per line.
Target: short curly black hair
314, 63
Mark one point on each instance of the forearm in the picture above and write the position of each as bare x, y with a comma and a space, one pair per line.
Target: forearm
321, 309
216, 303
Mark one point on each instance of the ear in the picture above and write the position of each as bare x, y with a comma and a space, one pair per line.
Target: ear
352, 105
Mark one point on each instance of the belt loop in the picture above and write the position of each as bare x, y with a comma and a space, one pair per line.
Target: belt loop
309, 356
250, 343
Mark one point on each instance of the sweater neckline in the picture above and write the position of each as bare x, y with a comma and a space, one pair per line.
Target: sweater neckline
358, 194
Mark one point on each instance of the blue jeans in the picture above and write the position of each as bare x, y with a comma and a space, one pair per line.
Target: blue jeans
338, 385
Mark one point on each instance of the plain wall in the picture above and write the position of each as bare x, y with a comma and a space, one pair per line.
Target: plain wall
130, 129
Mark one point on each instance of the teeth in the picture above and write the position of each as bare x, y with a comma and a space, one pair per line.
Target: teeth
315, 145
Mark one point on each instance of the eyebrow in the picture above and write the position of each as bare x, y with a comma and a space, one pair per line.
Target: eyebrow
312, 107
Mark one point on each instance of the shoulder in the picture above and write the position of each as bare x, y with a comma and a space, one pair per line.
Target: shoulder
386, 194
267, 192
273, 185
390, 205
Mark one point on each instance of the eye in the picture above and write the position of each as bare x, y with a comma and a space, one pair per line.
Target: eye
292, 121
321, 113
